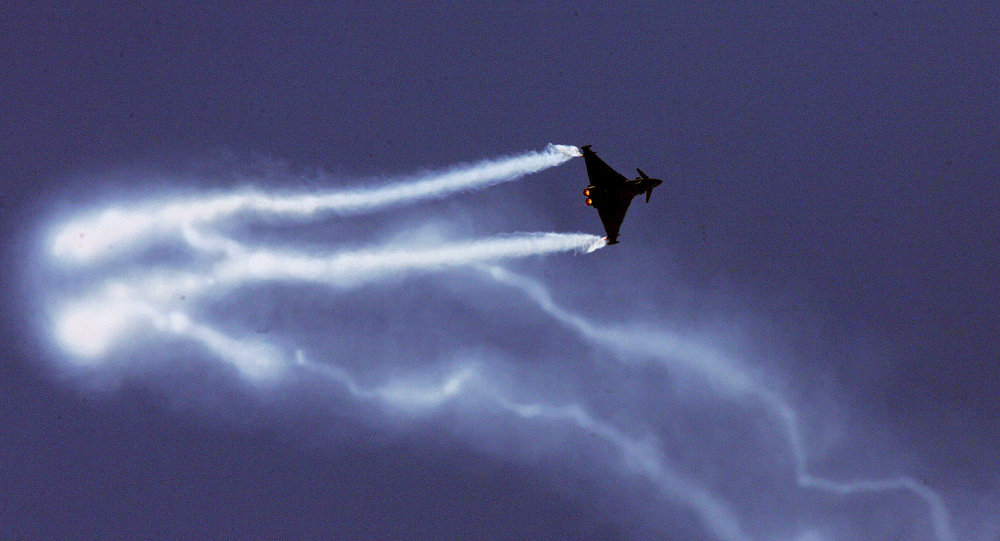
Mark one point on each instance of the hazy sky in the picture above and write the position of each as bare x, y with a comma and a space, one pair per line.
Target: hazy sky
341, 291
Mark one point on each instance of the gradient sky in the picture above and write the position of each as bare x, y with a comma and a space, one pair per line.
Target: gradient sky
827, 229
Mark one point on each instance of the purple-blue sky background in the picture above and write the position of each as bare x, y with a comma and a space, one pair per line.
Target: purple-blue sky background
829, 216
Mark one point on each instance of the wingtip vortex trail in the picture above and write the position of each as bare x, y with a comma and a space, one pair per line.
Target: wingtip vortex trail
572, 151
596, 245
90, 237
91, 327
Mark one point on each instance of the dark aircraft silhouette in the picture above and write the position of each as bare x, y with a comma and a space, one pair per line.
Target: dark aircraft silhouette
611, 193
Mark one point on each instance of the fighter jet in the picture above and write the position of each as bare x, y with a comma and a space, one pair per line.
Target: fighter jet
611, 193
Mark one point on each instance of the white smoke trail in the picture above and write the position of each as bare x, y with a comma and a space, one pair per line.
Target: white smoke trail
92, 326
130, 307
88, 239
726, 376
632, 343
354, 267
644, 459
639, 455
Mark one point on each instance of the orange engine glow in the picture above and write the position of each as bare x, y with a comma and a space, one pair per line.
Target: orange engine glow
586, 192
589, 201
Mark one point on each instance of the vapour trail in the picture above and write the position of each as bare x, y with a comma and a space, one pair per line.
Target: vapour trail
354, 267
92, 325
87, 239
645, 459
640, 456
726, 376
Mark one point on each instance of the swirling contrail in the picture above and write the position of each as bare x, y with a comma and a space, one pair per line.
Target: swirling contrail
129, 303
90, 325
89, 238
729, 378
125, 307
639, 455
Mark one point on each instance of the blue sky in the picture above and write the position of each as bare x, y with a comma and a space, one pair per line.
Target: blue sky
795, 339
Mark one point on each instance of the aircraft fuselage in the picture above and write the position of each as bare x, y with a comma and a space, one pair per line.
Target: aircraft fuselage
598, 195
611, 193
